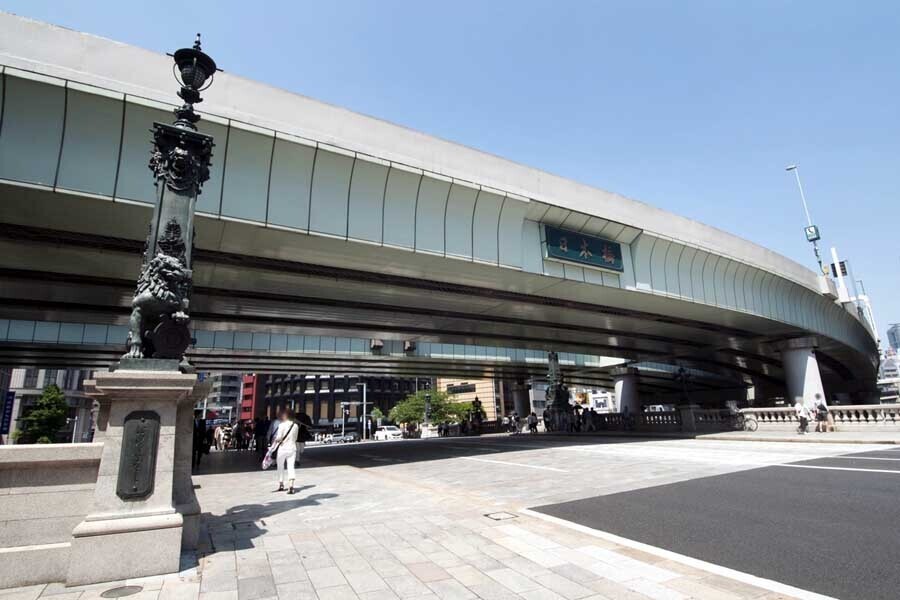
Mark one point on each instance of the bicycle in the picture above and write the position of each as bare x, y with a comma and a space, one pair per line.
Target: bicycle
742, 422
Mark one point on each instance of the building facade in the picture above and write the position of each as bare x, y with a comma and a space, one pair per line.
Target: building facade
253, 403
494, 394
321, 396
893, 334
224, 398
27, 385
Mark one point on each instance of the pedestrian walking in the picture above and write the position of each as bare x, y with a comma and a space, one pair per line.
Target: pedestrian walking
514, 423
200, 445
227, 436
239, 435
548, 422
286, 449
803, 415
220, 437
260, 427
532, 422
305, 434
273, 427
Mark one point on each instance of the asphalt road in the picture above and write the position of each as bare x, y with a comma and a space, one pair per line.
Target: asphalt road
834, 530
377, 454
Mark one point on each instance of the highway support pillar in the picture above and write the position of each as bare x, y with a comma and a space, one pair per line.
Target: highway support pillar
801, 370
521, 400
626, 385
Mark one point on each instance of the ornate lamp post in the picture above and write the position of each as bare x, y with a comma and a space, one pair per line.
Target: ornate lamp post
144, 502
557, 395
180, 162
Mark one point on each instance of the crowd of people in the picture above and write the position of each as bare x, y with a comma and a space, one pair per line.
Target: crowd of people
256, 435
582, 419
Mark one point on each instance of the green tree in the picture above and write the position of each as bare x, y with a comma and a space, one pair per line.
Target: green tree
412, 408
47, 417
376, 414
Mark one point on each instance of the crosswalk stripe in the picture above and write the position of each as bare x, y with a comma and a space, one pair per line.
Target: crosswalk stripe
793, 466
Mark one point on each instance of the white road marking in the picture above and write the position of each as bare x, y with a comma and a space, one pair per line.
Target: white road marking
838, 468
513, 464
766, 584
851, 457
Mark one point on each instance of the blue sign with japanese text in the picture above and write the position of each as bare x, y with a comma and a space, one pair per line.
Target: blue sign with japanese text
581, 248
6, 416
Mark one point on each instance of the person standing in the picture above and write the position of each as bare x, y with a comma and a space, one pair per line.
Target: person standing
239, 435
304, 435
259, 434
199, 447
532, 422
286, 440
219, 437
821, 415
273, 427
803, 415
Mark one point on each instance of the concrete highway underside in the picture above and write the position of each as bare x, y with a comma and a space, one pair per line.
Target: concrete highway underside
68, 268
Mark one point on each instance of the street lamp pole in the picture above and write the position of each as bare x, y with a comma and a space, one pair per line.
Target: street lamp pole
365, 423
812, 231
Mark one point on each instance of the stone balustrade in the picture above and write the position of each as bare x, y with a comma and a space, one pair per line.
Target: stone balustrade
850, 417
45, 491
667, 421
712, 419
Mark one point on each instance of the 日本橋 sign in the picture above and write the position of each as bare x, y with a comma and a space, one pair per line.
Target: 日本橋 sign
590, 250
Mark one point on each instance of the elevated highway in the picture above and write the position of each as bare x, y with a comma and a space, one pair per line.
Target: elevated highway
321, 223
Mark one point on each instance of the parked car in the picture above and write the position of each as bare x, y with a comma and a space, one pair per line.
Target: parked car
388, 432
346, 438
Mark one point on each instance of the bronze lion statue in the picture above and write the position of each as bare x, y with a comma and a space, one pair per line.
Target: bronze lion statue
158, 324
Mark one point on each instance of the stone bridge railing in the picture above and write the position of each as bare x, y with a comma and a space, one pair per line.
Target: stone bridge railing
45, 491
691, 419
852, 417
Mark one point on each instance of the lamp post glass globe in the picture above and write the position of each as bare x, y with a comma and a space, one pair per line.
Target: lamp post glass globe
194, 70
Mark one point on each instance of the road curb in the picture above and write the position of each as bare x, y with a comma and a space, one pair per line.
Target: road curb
810, 440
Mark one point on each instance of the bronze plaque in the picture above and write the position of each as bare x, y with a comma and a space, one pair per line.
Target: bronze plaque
137, 465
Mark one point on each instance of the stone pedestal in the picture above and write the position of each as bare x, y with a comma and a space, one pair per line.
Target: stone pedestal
428, 431
134, 528
688, 424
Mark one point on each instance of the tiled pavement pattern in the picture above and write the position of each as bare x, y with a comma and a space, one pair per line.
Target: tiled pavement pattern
398, 530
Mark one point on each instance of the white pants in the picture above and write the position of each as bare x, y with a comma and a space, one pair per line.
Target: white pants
284, 458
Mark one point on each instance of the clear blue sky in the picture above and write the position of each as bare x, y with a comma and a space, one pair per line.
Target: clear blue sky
693, 106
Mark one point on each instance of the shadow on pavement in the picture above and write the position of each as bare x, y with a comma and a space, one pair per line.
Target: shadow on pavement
377, 454
240, 524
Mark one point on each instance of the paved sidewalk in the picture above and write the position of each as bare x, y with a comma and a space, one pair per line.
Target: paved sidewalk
872, 436
416, 528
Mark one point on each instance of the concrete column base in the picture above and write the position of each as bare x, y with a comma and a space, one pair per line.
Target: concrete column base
124, 537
